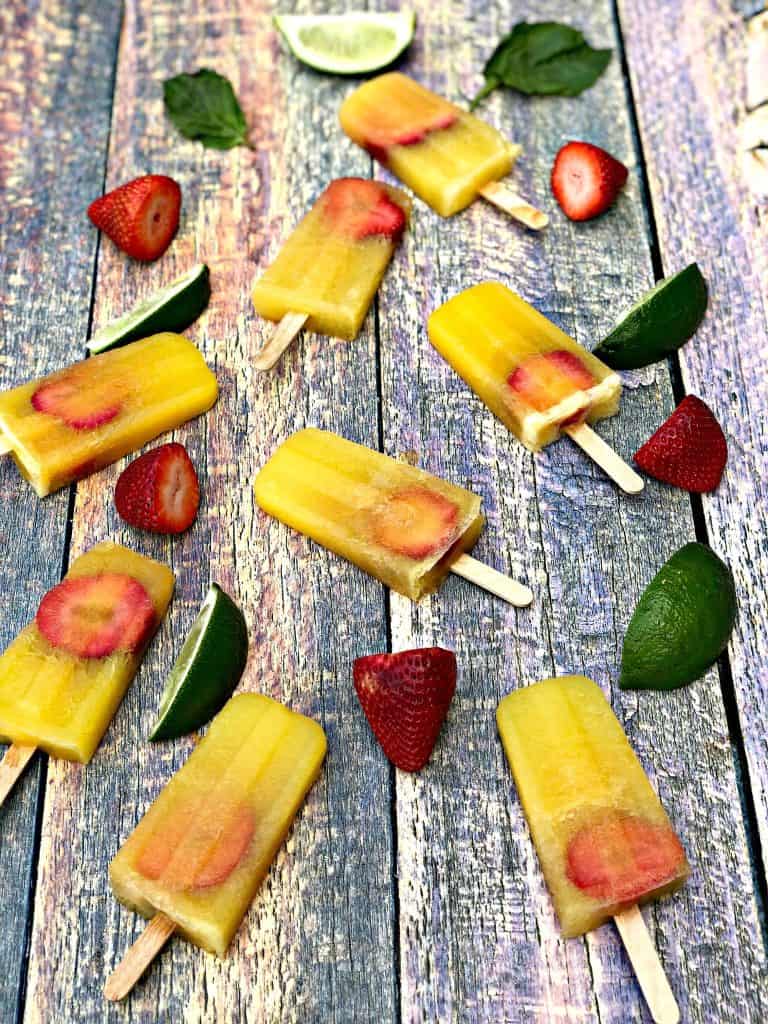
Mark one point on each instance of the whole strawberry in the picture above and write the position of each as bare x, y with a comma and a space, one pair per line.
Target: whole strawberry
141, 217
159, 491
689, 450
405, 698
586, 180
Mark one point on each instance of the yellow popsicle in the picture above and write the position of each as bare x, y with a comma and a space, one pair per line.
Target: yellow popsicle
332, 263
440, 151
54, 698
200, 852
398, 523
74, 422
528, 372
604, 841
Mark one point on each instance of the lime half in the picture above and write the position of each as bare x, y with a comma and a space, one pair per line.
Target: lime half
207, 669
173, 308
659, 324
347, 44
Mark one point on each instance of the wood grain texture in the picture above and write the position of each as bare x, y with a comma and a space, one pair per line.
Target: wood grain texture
478, 938
56, 64
704, 212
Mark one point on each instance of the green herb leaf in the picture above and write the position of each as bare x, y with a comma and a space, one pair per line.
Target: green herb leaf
204, 106
544, 59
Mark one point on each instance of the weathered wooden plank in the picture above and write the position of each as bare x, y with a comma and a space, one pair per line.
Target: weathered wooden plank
56, 66
705, 212
318, 941
478, 938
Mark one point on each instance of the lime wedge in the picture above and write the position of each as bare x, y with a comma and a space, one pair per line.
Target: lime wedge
207, 669
347, 44
659, 324
173, 308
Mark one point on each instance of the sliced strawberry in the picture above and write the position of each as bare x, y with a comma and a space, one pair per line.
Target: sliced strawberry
415, 522
197, 847
93, 616
405, 698
76, 401
392, 128
621, 858
586, 180
689, 450
141, 217
159, 491
359, 208
546, 380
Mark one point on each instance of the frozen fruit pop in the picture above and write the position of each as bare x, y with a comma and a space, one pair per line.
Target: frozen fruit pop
74, 422
402, 525
328, 270
447, 156
63, 677
195, 860
604, 841
537, 380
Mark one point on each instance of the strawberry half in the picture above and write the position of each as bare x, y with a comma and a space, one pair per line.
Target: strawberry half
546, 380
415, 522
81, 404
586, 180
141, 217
360, 208
93, 616
159, 491
405, 698
689, 450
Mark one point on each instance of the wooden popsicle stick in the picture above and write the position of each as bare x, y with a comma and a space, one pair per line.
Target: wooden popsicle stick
13, 764
606, 458
138, 958
281, 338
492, 580
510, 202
647, 966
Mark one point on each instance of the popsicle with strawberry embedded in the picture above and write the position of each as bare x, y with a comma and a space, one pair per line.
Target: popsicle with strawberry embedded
63, 677
327, 271
447, 156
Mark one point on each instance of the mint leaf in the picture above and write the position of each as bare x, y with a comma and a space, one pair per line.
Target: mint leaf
204, 106
545, 59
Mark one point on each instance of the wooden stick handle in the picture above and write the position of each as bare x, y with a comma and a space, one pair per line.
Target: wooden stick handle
138, 958
281, 338
13, 764
606, 458
647, 966
491, 579
513, 204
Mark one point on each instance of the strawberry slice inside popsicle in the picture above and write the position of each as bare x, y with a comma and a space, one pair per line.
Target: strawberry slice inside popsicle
415, 522
546, 380
405, 126
621, 857
360, 208
78, 401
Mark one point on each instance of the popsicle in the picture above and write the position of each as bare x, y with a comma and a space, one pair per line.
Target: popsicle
328, 270
76, 421
538, 381
63, 677
447, 156
402, 525
195, 860
603, 838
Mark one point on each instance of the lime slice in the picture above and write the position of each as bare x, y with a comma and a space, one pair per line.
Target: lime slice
207, 669
682, 622
659, 324
347, 44
173, 308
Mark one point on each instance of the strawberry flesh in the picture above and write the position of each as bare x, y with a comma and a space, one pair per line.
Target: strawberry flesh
159, 491
80, 403
546, 380
94, 616
415, 522
621, 858
689, 450
391, 130
141, 217
405, 698
586, 180
361, 208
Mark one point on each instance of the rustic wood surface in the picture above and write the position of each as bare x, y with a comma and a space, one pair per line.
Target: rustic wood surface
396, 897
